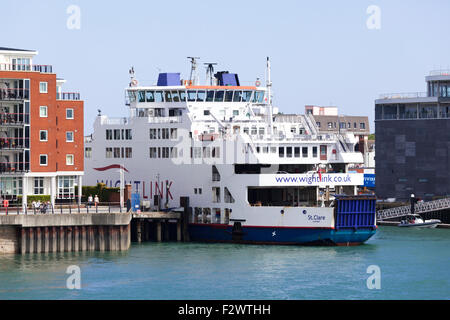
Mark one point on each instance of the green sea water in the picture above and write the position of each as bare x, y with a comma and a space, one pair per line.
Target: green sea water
413, 264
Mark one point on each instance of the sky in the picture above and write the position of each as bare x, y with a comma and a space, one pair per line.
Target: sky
322, 52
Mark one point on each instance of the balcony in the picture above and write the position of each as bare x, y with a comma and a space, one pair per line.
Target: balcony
14, 94
14, 167
14, 143
13, 119
26, 67
73, 96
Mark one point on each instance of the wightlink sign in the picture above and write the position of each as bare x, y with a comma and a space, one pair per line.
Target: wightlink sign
315, 179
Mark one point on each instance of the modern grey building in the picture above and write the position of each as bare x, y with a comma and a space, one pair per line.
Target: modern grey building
412, 132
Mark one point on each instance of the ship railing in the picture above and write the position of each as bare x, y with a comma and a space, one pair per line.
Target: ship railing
26, 67
14, 94
174, 119
114, 121
403, 95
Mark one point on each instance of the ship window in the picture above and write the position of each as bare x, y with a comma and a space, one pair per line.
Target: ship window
141, 96
235, 112
297, 152
281, 152
254, 131
206, 152
273, 149
237, 96
215, 152
265, 149
150, 96
201, 96
314, 150
206, 112
128, 135
175, 96
210, 96
165, 152
305, 152
229, 96
246, 130
173, 152
116, 134
289, 152
167, 96
153, 153
258, 97
191, 95
153, 134
219, 96
173, 133
158, 96
183, 96
108, 152
261, 131
128, 152
246, 96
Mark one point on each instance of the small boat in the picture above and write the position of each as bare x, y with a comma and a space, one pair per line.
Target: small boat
415, 220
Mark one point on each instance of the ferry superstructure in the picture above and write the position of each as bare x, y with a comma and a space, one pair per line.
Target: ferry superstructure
252, 174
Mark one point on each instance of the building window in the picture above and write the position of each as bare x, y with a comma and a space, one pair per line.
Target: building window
69, 159
362, 126
66, 187
38, 186
69, 136
88, 152
317, 123
43, 135
69, 113
43, 87
330, 125
43, 160
43, 112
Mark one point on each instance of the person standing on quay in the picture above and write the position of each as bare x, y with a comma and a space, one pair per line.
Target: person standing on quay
96, 200
90, 200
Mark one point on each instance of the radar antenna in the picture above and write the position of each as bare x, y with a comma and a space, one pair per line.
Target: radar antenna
194, 76
133, 81
210, 71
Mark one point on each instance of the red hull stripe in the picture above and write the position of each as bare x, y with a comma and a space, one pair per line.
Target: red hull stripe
113, 166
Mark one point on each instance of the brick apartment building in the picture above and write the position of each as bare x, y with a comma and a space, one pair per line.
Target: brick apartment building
41, 131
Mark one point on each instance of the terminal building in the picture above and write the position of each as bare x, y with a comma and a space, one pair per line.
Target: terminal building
41, 131
413, 141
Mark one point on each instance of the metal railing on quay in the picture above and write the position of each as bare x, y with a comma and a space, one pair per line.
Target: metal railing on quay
48, 208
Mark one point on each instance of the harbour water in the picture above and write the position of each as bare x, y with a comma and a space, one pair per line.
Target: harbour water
414, 264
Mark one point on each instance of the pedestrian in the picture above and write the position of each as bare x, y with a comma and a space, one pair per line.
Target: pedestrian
44, 208
90, 200
96, 200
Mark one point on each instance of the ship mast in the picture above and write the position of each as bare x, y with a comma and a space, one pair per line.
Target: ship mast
194, 76
269, 97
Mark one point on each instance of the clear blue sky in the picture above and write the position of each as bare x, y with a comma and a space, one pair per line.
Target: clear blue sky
321, 51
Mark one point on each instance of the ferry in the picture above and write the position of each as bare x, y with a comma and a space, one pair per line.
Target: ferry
252, 174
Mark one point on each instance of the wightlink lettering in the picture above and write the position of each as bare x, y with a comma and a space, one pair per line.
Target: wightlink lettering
146, 190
